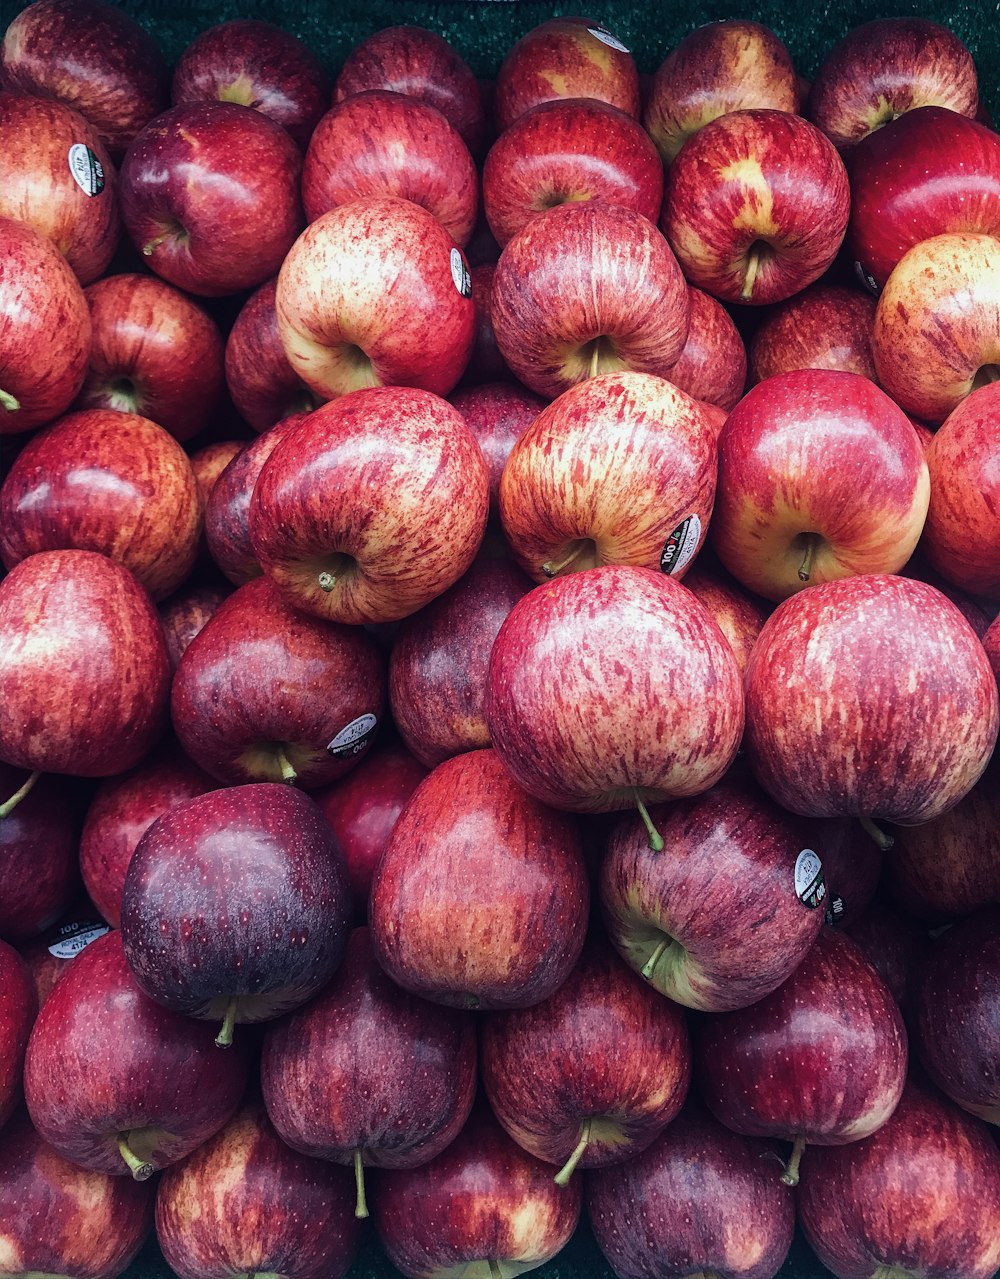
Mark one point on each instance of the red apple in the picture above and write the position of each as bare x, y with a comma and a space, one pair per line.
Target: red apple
497, 414
183, 615
852, 868
739, 614
826, 326
756, 206
18, 1009
486, 363
209, 462
712, 364
210, 196
48, 956
154, 352
38, 861
895, 943
263, 385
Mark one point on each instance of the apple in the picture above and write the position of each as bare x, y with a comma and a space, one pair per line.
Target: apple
852, 868
869, 696
885, 67
585, 289
735, 65
371, 507
107, 481
568, 150
154, 352
118, 1084
18, 1009
91, 56
60, 714
259, 65
756, 206
739, 614
471, 845
183, 615
565, 57
236, 905
712, 364
209, 462
45, 344
826, 326
821, 477
380, 143
209, 195
376, 292
486, 363
262, 384
620, 469
48, 956
57, 1218
497, 414
38, 861
57, 177
896, 944
294, 1213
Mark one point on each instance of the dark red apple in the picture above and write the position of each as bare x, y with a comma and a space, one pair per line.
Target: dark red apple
852, 868
38, 862
485, 364
497, 414
18, 1009
712, 364
263, 385
895, 943
209, 462
826, 326
183, 615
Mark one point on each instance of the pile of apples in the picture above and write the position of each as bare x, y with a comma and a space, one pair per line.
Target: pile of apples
498, 669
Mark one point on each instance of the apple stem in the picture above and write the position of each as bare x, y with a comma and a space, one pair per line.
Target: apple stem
650, 965
569, 1167
595, 358
361, 1204
139, 1168
288, 773
750, 279
495, 1271
327, 582
884, 841
8, 806
551, 570
150, 245
790, 1177
655, 838
9, 402
805, 568
225, 1036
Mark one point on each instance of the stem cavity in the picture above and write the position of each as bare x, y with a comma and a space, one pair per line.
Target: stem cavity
655, 838
649, 967
884, 841
551, 569
8, 806
8, 401
569, 1167
288, 773
805, 568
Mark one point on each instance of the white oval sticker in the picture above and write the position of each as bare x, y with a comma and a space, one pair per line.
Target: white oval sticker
86, 169
353, 737
605, 37
810, 886
460, 274
680, 547
72, 938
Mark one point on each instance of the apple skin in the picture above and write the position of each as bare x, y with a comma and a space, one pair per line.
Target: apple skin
720, 67
262, 384
722, 896
107, 481
209, 462
565, 57
236, 902
756, 206
382, 494
869, 696
423, 65
183, 615
739, 614
379, 143
38, 861
439, 659
712, 365
482, 1201
376, 292
209, 195
103, 1060
918, 1198
497, 414
485, 363
293, 1213
154, 352
86, 686
569, 149
18, 1009
895, 943
821, 1059
894, 205
707, 1198
259, 65
471, 845
264, 693
817, 460
122, 809
585, 289
936, 324
91, 56
603, 1059
612, 472
826, 326
957, 1031
57, 1218
884, 68
852, 868
612, 683
44, 310
49, 956
79, 214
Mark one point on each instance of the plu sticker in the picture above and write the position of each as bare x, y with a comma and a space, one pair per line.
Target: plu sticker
810, 886
605, 37
87, 170
681, 545
835, 910
353, 737
460, 274
867, 279
70, 939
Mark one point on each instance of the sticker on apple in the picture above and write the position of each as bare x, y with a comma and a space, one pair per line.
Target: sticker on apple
810, 886
605, 37
353, 737
68, 940
87, 170
867, 279
461, 274
681, 545
835, 910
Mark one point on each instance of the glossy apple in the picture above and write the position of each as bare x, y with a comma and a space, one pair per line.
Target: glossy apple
826, 326
756, 206
739, 614
712, 364
262, 384
585, 289
497, 414
209, 195
183, 615
471, 845
852, 868
209, 462
38, 862
18, 1008
896, 944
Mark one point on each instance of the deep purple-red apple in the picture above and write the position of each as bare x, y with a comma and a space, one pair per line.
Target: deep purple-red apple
826, 326
262, 384
497, 414
18, 1008
183, 615
712, 364
38, 861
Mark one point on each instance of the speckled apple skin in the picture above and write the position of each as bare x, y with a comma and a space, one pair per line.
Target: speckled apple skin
262, 384
104, 1059
368, 1066
712, 365
740, 615
18, 1008
497, 414
38, 855
869, 695
826, 326
245, 1203
239, 892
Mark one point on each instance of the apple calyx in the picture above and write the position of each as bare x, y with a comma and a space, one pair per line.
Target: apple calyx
361, 1203
655, 838
569, 1167
790, 1177
892, 1272
8, 806
239, 91
805, 568
884, 841
140, 1169
8, 401
122, 395
224, 1038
